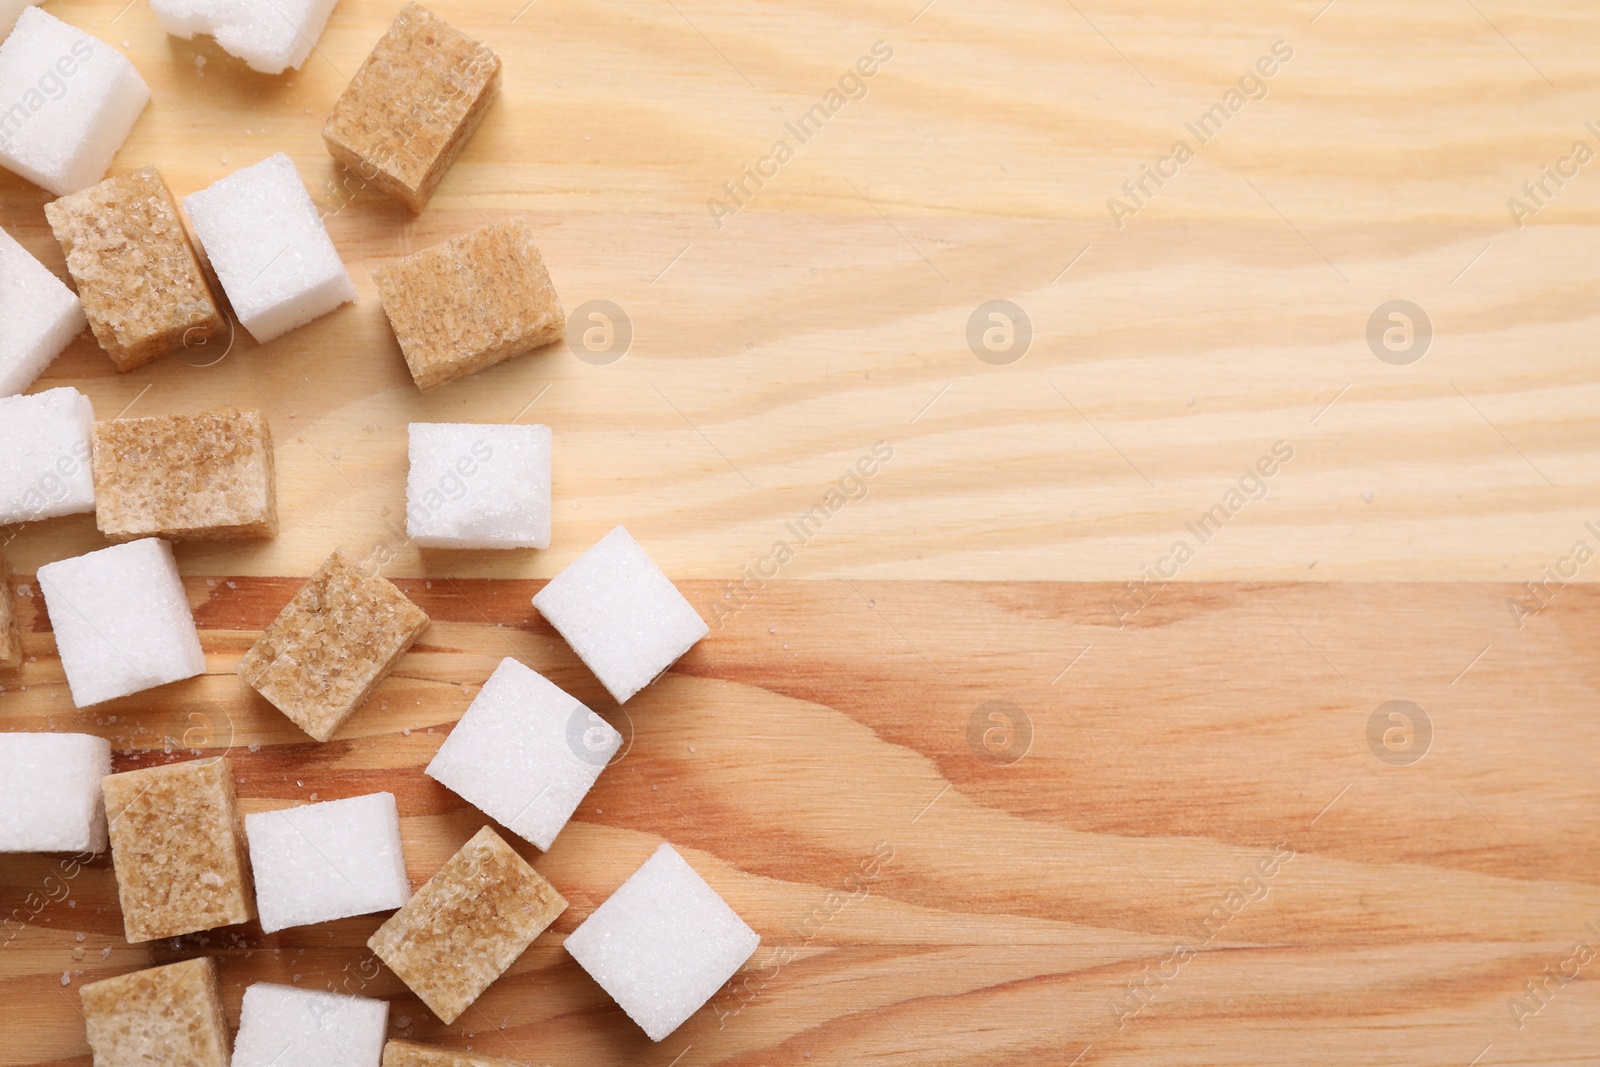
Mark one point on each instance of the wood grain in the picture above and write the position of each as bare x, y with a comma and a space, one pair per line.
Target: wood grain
922, 899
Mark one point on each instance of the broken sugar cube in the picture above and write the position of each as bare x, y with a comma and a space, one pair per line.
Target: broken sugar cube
470, 303
663, 943
171, 1014
40, 313
71, 101
475, 486
467, 925
44, 455
281, 1026
122, 621
525, 753
138, 276
413, 105
398, 1053
178, 849
327, 861
621, 615
330, 647
10, 628
50, 796
269, 248
185, 477
271, 38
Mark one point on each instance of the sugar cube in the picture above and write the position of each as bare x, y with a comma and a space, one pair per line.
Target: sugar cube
138, 276
185, 477
178, 848
327, 861
50, 797
413, 105
398, 1053
40, 313
44, 455
474, 486
271, 37
9, 12
621, 615
525, 753
662, 944
467, 925
470, 303
330, 647
269, 248
10, 627
281, 1026
122, 621
69, 101
170, 1014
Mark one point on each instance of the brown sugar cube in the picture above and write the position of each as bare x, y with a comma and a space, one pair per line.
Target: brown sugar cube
178, 848
185, 477
470, 303
170, 1014
138, 276
10, 629
472, 920
399, 1053
334, 642
413, 106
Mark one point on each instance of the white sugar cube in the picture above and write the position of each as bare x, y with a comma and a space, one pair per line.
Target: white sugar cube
50, 792
475, 486
45, 453
10, 11
269, 248
272, 37
622, 616
122, 621
663, 944
327, 861
281, 1026
69, 101
39, 315
525, 753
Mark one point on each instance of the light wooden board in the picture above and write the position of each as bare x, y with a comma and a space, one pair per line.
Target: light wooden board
829, 723
770, 354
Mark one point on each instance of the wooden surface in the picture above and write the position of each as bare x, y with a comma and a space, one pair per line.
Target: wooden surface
845, 709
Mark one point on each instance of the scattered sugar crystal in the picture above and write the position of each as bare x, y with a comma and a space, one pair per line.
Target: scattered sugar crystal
197, 477
281, 1026
331, 646
327, 861
170, 1014
44, 455
271, 38
398, 1053
269, 248
622, 616
40, 313
122, 621
138, 275
662, 944
50, 796
178, 848
476, 486
413, 105
67, 102
10, 627
467, 925
525, 753
470, 303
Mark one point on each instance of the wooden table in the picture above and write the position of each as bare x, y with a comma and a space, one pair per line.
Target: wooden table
1170, 822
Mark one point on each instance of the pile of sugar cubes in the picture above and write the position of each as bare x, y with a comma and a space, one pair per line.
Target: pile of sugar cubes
524, 752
